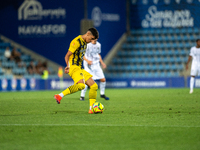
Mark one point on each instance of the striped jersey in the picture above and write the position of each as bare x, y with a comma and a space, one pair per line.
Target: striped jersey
77, 47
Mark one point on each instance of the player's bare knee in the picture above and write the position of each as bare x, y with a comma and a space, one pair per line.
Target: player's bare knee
103, 80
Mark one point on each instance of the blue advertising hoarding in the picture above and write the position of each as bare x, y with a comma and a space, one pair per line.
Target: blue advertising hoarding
47, 27
110, 20
44, 26
196, 82
164, 14
32, 84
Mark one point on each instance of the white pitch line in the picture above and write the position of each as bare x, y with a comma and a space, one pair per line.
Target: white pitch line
112, 125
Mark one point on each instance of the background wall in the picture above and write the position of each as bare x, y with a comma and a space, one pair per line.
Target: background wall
164, 13
47, 27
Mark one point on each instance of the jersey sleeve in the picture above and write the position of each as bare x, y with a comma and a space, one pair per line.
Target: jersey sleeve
74, 46
191, 52
99, 48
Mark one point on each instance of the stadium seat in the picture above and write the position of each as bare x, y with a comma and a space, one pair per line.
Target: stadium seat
2, 58
1, 71
8, 64
25, 58
19, 71
162, 74
4, 45
196, 31
162, 51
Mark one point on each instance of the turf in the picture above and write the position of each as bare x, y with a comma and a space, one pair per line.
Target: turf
140, 119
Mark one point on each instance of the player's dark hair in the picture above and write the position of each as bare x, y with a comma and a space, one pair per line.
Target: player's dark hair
197, 40
94, 32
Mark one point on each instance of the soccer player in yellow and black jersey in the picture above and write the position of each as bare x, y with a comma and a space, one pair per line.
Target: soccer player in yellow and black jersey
73, 59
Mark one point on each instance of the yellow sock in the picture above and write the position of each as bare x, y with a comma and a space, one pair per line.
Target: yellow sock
92, 101
93, 94
74, 88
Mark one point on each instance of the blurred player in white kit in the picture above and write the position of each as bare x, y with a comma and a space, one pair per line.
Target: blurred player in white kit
195, 67
91, 64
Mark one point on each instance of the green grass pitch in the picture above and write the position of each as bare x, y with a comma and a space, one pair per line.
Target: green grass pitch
133, 119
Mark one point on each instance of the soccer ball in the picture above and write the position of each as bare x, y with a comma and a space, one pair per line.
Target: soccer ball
97, 108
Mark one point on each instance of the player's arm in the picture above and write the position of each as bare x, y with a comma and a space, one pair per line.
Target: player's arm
88, 61
72, 48
189, 59
69, 53
101, 61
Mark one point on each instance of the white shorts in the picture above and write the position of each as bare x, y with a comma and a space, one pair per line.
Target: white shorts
195, 69
94, 70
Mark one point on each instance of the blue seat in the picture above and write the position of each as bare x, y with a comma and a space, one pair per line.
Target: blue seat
179, 38
126, 68
1, 71
157, 53
129, 39
158, 31
167, 67
153, 68
170, 31
160, 67
37, 76
162, 74
156, 74
145, 31
187, 45
174, 45
119, 53
53, 76
8, 64
140, 68
110, 68
177, 31
176, 52
25, 57
178, 60
183, 52
166, 60
19, 71
124, 46
183, 31
169, 74
185, 38
134, 67
146, 59
2, 58
174, 67
136, 46
133, 32
123, 75
143, 74
152, 60
147, 67
196, 31
180, 67
28, 76
150, 75
176, 74
136, 75
164, 31
150, 53
6, 76
4, 45
159, 60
